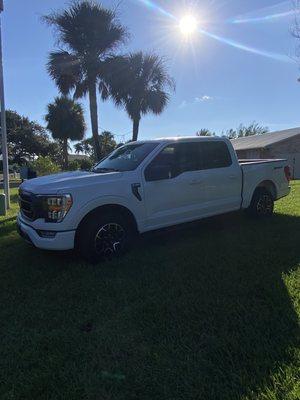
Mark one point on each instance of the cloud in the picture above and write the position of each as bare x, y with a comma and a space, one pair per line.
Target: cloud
203, 98
196, 100
183, 104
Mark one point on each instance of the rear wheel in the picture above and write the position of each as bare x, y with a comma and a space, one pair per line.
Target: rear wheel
262, 204
103, 237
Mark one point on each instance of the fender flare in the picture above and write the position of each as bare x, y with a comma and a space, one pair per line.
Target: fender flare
104, 201
266, 184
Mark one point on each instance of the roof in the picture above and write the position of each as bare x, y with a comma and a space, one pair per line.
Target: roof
73, 157
182, 139
265, 140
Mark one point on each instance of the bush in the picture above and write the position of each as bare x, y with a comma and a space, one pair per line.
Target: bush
73, 165
84, 164
44, 166
14, 168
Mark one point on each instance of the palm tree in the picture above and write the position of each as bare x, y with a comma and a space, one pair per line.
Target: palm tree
205, 132
65, 121
108, 144
138, 82
87, 34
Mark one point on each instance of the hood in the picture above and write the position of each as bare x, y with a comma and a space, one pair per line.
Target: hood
67, 181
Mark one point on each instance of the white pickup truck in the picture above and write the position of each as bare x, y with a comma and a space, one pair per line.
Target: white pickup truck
143, 186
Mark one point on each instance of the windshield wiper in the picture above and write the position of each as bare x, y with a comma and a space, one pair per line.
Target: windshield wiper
103, 170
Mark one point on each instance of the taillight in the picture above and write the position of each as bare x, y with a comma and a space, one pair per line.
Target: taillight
287, 171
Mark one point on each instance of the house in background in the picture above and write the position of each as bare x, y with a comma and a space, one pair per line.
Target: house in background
77, 157
282, 144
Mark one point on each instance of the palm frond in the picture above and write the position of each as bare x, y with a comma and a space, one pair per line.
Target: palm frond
81, 89
117, 78
87, 27
154, 101
65, 119
103, 90
140, 82
65, 69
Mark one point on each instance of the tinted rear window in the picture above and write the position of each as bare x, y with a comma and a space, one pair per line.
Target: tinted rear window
215, 155
192, 156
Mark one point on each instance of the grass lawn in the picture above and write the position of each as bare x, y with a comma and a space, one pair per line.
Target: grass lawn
209, 311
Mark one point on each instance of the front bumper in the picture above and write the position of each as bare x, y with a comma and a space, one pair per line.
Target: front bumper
61, 241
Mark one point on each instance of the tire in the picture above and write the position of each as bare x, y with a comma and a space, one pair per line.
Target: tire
104, 236
262, 204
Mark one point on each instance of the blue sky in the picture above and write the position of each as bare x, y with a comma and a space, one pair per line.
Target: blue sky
218, 84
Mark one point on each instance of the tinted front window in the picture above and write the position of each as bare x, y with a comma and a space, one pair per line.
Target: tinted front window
178, 158
126, 158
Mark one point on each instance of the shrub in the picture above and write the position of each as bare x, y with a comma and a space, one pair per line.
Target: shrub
73, 165
86, 164
44, 166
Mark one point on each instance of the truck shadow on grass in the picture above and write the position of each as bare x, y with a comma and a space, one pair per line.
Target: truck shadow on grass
200, 312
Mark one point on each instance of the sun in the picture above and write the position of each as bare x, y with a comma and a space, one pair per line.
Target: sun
188, 25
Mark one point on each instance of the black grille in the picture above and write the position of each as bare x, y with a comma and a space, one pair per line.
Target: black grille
29, 205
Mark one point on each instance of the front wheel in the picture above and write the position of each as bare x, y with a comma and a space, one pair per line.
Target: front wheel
262, 204
103, 237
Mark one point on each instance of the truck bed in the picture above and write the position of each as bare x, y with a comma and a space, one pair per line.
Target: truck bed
256, 171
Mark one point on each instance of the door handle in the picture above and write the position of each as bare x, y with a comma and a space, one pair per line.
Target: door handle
232, 176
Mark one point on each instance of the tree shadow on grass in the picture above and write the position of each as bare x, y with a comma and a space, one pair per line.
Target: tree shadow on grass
200, 312
232, 319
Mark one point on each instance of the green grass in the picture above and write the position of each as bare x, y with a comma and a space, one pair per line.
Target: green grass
12, 212
209, 311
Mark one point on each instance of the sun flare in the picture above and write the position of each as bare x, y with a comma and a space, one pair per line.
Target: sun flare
188, 25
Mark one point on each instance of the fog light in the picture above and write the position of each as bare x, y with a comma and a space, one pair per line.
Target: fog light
47, 234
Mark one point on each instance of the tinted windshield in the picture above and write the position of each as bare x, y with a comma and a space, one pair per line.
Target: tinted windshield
126, 158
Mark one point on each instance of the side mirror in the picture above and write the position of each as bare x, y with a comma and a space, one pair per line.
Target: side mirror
158, 173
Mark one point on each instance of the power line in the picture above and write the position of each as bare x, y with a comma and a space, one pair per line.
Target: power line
123, 135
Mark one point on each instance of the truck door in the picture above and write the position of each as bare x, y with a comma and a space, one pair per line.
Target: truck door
222, 177
173, 185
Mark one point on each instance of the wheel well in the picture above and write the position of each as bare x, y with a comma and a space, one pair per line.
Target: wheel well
269, 186
116, 208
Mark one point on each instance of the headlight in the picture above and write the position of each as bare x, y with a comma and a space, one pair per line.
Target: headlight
56, 207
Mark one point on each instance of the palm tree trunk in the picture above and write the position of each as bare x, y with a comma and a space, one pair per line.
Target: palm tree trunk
94, 118
135, 131
65, 153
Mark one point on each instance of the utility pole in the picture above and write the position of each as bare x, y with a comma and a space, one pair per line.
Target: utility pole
3, 124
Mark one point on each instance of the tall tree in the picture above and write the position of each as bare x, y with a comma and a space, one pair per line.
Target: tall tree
87, 34
26, 139
231, 133
242, 131
205, 132
65, 121
253, 129
138, 82
108, 144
